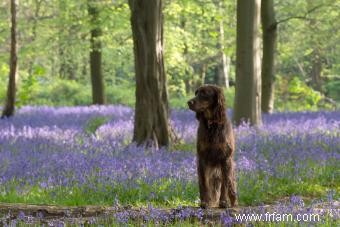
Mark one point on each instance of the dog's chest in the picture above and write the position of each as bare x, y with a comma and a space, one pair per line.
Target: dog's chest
210, 143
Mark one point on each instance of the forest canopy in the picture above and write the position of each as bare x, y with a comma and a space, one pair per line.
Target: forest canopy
54, 45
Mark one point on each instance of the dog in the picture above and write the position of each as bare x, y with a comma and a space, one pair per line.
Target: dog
215, 148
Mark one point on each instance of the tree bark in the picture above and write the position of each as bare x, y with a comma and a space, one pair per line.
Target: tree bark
37, 4
223, 66
98, 94
316, 63
316, 70
269, 34
151, 111
247, 105
188, 76
13, 69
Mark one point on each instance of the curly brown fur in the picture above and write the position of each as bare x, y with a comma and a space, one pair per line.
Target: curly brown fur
215, 148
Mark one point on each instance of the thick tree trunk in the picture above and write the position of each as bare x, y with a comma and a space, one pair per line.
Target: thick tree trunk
13, 68
98, 94
247, 105
269, 34
151, 113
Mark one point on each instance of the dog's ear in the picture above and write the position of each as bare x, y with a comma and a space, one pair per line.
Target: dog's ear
219, 107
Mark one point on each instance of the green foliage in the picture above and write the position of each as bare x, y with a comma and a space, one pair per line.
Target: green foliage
333, 89
4, 70
63, 93
28, 87
295, 95
54, 48
35, 90
121, 95
94, 123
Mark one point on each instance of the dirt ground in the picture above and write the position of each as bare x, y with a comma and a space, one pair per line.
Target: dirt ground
41, 214
78, 215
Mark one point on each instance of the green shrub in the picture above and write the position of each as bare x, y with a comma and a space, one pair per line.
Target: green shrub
333, 90
63, 93
4, 70
120, 95
94, 123
292, 94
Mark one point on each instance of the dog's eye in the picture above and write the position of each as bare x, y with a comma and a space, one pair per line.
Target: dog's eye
203, 94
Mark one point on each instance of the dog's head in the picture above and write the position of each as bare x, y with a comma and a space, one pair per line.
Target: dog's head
208, 102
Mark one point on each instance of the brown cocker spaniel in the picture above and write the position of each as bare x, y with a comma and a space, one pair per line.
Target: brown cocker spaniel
215, 148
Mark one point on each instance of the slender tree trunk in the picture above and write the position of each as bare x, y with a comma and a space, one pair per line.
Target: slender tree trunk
151, 113
13, 68
63, 66
316, 63
98, 94
248, 69
223, 66
269, 34
37, 4
188, 76
203, 72
316, 70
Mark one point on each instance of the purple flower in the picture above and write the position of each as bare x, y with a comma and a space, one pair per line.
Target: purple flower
49, 148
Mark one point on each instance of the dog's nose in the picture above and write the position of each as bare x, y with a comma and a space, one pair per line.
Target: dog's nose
190, 102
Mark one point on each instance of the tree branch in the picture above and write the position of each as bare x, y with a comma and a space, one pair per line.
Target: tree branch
301, 17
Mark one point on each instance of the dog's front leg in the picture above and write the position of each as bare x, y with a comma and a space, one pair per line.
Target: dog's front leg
203, 183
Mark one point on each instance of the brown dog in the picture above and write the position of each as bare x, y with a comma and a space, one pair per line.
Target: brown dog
215, 148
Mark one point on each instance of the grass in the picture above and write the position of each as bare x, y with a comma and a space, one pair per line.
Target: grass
254, 189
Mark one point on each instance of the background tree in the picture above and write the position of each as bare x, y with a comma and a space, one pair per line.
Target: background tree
13, 69
247, 105
223, 68
98, 94
269, 34
55, 45
151, 109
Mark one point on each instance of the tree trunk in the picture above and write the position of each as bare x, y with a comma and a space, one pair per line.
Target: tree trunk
247, 105
13, 68
37, 4
188, 75
151, 113
316, 70
316, 63
64, 64
223, 70
203, 72
223, 66
269, 34
98, 94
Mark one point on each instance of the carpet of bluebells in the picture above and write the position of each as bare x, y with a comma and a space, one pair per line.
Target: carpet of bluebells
84, 155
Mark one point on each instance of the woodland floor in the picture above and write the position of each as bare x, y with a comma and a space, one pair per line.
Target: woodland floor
79, 215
